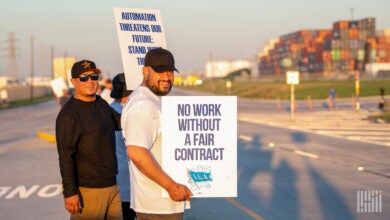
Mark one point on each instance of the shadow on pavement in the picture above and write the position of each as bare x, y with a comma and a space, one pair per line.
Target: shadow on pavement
270, 188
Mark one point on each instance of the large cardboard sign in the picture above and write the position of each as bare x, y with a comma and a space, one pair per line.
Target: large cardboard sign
199, 143
139, 30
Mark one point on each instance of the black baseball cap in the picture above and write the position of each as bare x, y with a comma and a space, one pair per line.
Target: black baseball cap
83, 66
160, 60
119, 89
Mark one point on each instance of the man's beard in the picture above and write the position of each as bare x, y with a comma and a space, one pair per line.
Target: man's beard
156, 90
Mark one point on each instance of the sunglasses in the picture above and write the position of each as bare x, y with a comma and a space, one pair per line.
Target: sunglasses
84, 78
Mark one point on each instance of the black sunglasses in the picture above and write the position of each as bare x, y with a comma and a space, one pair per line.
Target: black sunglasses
84, 78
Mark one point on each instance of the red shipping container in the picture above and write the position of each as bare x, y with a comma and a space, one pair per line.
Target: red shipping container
319, 56
319, 47
277, 70
383, 46
381, 39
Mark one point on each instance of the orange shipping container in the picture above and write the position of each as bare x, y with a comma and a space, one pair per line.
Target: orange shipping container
353, 33
295, 47
383, 40
341, 25
277, 70
383, 46
324, 33
326, 56
311, 49
303, 33
345, 55
372, 42
351, 64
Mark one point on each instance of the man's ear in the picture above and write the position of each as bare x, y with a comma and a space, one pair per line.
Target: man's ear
73, 81
145, 71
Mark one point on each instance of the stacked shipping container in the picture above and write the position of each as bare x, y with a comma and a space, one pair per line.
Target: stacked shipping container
344, 48
379, 47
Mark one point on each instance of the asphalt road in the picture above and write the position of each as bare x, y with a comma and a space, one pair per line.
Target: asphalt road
285, 170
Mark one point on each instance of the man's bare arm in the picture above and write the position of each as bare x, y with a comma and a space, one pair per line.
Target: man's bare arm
145, 162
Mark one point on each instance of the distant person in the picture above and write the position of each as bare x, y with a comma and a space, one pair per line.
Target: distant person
141, 118
106, 91
64, 98
85, 134
382, 101
332, 98
100, 89
120, 94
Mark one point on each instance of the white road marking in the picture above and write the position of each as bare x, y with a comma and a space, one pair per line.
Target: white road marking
306, 154
245, 137
245, 209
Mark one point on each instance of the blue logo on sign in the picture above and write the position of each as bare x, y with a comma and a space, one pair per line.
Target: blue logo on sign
200, 177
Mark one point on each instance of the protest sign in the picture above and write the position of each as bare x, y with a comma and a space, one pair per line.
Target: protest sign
139, 30
3, 95
58, 86
199, 143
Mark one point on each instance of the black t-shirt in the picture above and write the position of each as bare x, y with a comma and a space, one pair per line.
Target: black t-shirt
85, 133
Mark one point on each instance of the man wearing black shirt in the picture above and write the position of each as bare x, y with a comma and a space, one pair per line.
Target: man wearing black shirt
85, 133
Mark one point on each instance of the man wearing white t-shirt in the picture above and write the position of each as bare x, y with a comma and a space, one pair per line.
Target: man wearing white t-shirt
142, 132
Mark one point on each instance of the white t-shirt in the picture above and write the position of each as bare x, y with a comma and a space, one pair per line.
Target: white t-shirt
140, 122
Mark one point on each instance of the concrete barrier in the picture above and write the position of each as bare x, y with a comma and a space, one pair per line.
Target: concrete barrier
23, 92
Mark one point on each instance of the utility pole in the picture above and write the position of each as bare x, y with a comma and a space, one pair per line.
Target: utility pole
12, 68
65, 68
32, 68
52, 62
213, 86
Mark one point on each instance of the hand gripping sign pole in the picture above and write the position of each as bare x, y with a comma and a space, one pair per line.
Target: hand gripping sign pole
292, 79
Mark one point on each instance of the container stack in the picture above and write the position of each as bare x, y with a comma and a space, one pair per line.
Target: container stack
299, 50
347, 47
349, 44
379, 47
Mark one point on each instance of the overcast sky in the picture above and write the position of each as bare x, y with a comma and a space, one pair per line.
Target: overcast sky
196, 30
